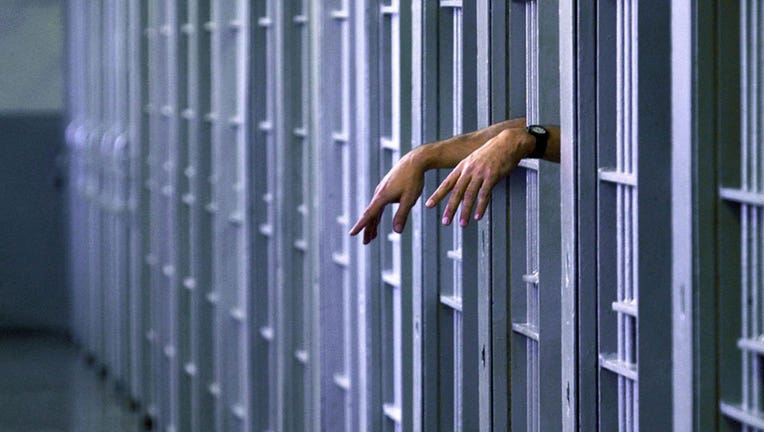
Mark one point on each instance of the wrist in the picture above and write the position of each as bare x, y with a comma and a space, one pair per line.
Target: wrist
421, 157
523, 142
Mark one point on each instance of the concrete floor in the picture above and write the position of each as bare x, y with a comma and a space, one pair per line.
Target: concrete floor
46, 386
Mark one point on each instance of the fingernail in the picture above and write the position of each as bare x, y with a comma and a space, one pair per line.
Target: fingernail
429, 203
477, 216
398, 228
463, 222
445, 220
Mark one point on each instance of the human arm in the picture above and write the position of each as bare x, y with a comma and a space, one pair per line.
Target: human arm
476, 175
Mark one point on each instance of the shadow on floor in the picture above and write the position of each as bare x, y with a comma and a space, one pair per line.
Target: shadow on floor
46, 386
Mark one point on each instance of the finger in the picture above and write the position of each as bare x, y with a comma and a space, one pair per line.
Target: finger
484, 197
469, 199
372, 229
442, 190
375, 208
399, 221
456, 197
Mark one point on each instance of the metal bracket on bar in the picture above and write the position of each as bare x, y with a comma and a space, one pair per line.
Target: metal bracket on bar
526, 329
742, 197
340, 14
628, 307
393, 412
301, 356
742, 415
300, 19
454, 302
619, 367
752, 345
617, 177
530, 164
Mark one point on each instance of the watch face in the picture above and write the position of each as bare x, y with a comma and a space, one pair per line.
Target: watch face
538, 130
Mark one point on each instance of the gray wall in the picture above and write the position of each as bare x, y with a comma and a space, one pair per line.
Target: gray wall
33, 291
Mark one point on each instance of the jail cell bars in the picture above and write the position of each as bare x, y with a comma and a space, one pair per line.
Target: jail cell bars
618, 280
534, 212
743, 406
220, 151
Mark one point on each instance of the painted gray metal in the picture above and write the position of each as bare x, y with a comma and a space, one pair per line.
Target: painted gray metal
741, 401
221, 149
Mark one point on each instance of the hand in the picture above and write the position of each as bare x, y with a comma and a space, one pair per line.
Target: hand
475, 176
403, 184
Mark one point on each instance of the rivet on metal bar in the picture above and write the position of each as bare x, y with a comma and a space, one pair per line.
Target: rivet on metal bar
165, 30
388, 143
451, 3
189, 283
341, 258
265, 126
626, 307
187, 114
239, 412
342, 381
266, 230
340, 137
455, 254
210, 26
211, 207
266, 333
235, 121
210, 117
169, 351
532, 278
236, 218
214, 389
388, 10
190, 369
391, 278
300, 19
168, 270
264, 22
301, 244
301, 356
340, 14
212, 297
300, 132
343, 221
238, 315
234, 25
187, 29
166, 110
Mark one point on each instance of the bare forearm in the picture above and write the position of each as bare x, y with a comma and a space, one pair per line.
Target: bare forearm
449, 152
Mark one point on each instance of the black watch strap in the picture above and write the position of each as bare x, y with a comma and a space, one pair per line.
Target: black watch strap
542, 139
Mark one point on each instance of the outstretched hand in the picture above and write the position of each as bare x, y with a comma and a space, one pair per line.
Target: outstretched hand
476, 175
480, 163
403, 184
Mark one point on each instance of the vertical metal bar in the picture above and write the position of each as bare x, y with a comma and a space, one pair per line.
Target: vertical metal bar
204, 211
230, 45
569, 215
682, 167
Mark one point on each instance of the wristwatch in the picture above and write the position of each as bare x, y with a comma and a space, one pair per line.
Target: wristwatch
542, 139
